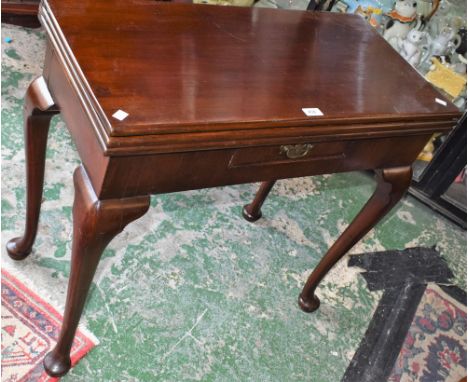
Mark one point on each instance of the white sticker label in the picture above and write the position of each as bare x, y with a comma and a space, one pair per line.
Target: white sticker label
120, 115
312, 111
441, 102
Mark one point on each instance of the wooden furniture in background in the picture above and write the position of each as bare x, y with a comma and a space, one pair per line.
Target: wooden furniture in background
214, 96
22, 13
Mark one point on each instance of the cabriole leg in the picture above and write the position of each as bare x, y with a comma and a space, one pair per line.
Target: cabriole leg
38, 111
252, 212
392, 183
95, 224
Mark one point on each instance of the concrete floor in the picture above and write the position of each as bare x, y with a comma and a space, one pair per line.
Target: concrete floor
193, 292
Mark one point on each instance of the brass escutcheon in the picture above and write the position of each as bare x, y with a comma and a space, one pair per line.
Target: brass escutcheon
296, 151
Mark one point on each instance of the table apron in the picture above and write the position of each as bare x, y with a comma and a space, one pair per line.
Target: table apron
163, 173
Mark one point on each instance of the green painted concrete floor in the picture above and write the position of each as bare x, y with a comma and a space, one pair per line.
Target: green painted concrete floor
191, 291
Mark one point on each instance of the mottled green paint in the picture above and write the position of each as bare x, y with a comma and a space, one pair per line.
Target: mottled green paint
6, 206
12, 53
193, 256
60, 249
10, 78
59, 266
53, 192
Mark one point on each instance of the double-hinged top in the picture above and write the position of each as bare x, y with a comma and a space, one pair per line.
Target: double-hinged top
195, 77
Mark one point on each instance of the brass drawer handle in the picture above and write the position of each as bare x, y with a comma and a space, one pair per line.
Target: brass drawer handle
296, 151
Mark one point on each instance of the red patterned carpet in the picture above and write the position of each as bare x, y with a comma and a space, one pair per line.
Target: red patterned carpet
435, 346
30, 328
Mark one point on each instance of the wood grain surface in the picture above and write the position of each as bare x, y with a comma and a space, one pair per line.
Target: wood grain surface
182, 68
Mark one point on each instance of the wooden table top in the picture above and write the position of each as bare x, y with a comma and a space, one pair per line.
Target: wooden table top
182, 68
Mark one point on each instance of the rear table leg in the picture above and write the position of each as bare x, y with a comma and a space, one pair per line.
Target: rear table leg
38, 111
252, 212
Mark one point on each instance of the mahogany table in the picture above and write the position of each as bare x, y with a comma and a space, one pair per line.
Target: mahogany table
169, 97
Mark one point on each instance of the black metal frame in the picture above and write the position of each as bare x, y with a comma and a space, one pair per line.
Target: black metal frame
449, 160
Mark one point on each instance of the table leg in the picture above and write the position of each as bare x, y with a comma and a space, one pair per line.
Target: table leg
95, 223
38, 111
252, 212
391, 186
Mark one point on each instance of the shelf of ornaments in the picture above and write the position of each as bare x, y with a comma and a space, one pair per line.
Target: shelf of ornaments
432, 38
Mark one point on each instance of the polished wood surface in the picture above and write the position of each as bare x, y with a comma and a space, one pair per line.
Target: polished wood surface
193, 70
255, 157
215, 97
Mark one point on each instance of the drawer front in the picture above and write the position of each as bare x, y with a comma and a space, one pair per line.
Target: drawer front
161, 173
287, 153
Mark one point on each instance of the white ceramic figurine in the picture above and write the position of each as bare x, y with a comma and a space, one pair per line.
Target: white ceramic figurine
402, 17
446, 42
412, 47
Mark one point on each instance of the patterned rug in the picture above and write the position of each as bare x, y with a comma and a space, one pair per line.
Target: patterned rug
30, 328
435, 346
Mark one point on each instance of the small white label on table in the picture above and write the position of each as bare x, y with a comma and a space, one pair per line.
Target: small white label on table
441, 102
312, 111
120, 115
